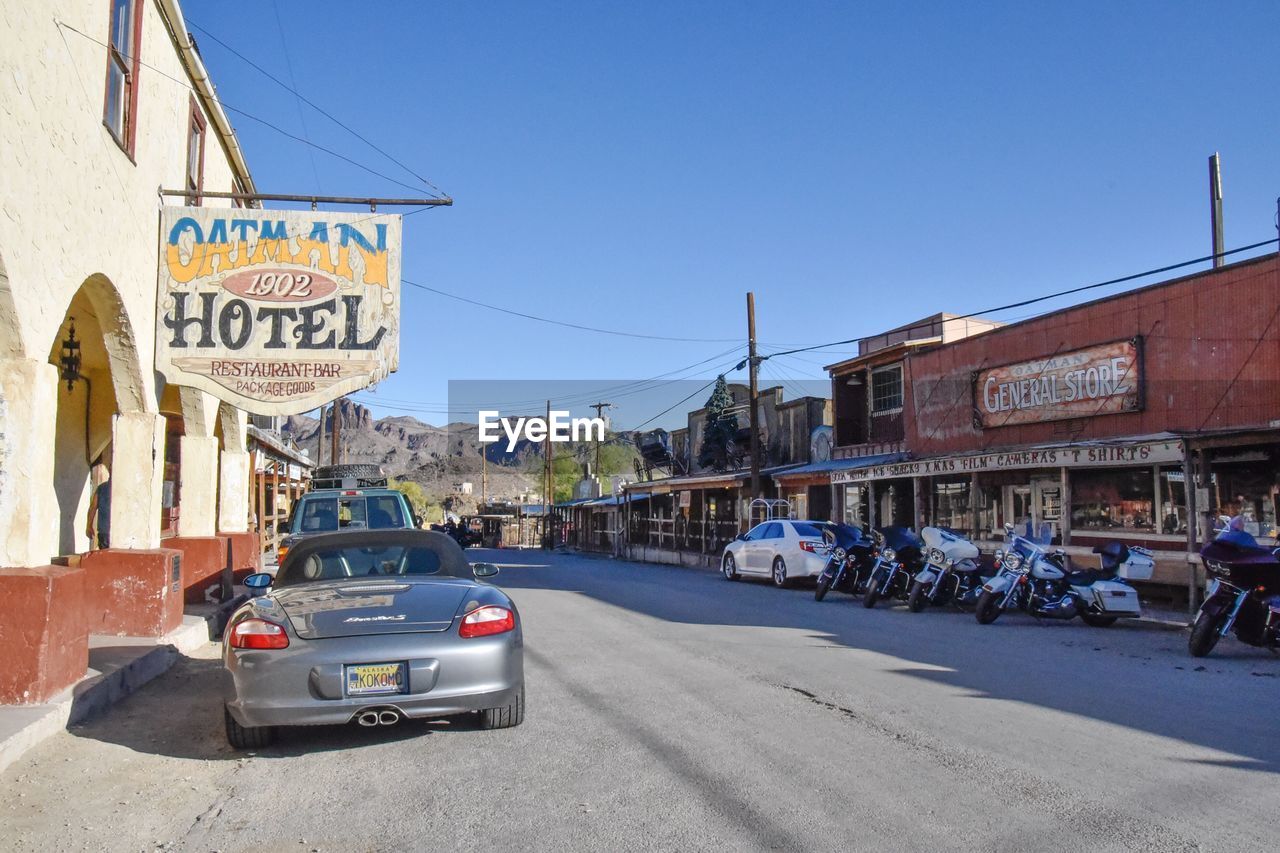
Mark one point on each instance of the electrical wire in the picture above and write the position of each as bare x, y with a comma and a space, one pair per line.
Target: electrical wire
251, 116
563, 323
643, 424
436, 190
297, 98
1049, 296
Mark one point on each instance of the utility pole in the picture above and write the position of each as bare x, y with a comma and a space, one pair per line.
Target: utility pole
600, 407
755, 395
320, 441
1215, 207
484, 475
335, 452
547, 497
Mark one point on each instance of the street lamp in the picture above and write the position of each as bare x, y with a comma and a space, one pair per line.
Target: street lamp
70, 358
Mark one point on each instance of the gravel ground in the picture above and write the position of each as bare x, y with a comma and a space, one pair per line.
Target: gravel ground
669, 709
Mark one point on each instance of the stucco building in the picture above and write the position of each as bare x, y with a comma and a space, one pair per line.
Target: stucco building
102, 103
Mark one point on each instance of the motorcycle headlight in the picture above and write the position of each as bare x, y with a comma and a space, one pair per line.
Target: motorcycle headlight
936, 556
1012, 561
890, 555
840, 553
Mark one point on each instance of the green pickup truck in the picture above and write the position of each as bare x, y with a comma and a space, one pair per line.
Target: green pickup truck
347, 497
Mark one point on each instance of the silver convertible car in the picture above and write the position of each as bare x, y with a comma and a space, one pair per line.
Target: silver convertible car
372, 626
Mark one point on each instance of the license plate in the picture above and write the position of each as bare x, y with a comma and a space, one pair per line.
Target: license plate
376, 679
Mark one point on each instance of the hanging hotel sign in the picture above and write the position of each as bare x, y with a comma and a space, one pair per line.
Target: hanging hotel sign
1066, 456
276, 311
1105, 379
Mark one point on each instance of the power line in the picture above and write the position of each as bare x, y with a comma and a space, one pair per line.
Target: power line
1046, 297
226, 106
669, 408
314, 106
297, 99
563, 323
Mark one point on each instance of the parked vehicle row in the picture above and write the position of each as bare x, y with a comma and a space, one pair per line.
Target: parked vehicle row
941, 567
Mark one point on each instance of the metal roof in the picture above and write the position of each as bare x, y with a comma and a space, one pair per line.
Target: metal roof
845, 464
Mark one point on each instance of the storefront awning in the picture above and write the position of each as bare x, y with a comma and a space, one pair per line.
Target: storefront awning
826, 471
1162, 449
730, 480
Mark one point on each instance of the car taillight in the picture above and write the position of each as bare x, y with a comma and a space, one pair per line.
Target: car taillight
813, 547
258, 634
281, 553
486, 621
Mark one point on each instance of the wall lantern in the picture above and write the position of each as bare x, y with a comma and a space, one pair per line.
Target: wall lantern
70, 358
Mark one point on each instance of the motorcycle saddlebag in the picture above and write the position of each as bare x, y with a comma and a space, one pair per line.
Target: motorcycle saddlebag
1117, 599
1139, 567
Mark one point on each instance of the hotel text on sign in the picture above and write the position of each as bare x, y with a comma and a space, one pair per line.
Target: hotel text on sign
277, 311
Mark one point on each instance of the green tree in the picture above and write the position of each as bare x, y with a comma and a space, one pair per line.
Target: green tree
415, 495
721, 429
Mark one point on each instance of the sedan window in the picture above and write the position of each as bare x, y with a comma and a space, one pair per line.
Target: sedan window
756, 533
809, 529
773, 530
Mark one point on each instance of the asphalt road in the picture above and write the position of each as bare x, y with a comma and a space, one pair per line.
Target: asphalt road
669, 709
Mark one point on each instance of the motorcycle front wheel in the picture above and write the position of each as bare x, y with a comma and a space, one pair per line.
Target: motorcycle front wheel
917, 599
824, 584
988, 609
872, 595
1204, 635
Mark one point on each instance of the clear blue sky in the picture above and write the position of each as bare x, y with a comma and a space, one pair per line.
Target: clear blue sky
640, 166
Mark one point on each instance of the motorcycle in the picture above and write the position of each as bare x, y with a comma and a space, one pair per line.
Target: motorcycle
901, 555
1243, 596
1044, 585
951, 572
851, 558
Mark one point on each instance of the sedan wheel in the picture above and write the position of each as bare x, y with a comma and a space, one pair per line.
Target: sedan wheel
779, 572
247, 737
729, 567
506, 716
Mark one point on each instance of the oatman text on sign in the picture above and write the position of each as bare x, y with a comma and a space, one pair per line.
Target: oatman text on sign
276, 311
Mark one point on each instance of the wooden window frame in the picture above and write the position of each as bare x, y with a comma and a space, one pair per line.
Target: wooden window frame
129, 133
871, 389
195, 123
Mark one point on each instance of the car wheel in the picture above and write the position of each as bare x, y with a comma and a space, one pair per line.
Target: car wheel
247, 737
506, 716
779, 572
729, 567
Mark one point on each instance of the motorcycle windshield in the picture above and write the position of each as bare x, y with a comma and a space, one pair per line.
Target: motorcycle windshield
842, 535
1041, 535
901, 538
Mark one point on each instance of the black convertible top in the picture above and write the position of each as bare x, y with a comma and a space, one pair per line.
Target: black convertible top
452, 560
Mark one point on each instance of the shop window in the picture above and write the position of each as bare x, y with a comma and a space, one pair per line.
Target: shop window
886, 389
195, 154
951, 505
1173, 502
1112, 500
853, 506
123, 37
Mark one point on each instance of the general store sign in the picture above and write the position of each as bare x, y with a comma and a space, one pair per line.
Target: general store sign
277, 312
1100, 380
1086, 456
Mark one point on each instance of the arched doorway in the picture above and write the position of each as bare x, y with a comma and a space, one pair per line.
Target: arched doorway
97, 356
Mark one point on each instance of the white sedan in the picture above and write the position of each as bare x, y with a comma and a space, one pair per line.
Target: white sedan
782, 549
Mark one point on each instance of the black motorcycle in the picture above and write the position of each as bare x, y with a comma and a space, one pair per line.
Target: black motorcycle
1243, 598
851, 558
901, 557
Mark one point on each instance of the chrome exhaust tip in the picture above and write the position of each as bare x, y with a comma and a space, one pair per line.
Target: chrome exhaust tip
389, 718
367, 718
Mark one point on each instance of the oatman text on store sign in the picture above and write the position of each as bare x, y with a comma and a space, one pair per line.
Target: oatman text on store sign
277, 311
1098, 380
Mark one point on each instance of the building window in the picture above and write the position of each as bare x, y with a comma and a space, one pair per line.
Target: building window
951, 505
1117, 499
195, 154
122, 71
886, 389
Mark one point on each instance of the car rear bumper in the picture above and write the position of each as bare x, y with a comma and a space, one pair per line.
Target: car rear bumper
811, 565
303, 685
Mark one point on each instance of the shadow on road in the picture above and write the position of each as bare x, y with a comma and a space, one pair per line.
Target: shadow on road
180, 715
1129, 675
